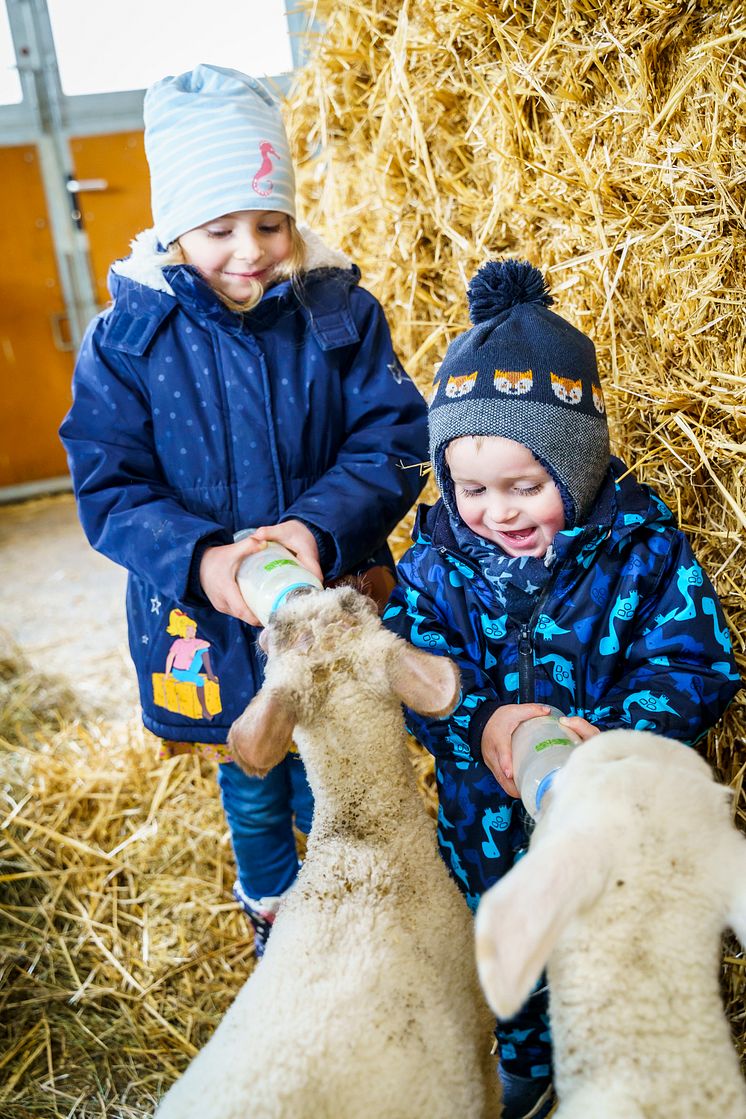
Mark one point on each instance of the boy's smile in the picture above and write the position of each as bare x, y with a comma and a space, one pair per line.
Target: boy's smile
504, 495
236, 251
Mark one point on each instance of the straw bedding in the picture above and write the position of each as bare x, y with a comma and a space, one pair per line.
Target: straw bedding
120, 946
602, 141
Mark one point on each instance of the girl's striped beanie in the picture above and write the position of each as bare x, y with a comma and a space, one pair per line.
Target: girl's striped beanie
215, 144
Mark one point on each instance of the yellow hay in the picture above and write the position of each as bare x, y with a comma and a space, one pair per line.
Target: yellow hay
604, 142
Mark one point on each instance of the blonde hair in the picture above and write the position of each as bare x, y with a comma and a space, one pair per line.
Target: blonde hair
288, 269
178, 623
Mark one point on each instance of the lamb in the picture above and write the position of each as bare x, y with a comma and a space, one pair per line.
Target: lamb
632, 873
367, 1003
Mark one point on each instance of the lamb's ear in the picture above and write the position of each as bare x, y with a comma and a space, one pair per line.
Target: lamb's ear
428, 684
261, 737
737, 876
520, 919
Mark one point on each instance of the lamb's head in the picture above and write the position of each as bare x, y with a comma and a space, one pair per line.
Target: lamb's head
628, 809
321, 645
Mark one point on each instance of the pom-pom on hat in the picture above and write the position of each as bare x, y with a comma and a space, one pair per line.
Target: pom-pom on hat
526, 374
215, 144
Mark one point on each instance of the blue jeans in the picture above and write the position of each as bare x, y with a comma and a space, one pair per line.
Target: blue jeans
260, 813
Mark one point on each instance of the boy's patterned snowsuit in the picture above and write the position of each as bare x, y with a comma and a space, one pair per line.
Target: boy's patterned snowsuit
627, 633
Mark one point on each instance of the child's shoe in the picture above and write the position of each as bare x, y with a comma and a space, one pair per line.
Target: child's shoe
525, 1097
261, 913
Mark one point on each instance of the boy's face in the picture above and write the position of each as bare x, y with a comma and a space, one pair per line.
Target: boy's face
504, 495
236, 251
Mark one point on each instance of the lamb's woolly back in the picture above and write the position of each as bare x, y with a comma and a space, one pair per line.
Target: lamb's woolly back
366, 1004
633, 871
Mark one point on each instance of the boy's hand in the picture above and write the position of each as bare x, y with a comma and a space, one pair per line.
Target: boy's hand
496, 748
582, 727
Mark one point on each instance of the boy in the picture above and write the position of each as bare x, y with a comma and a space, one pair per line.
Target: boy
551, 577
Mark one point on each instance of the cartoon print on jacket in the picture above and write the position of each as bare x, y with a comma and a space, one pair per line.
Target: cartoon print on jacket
188, 673
620, 636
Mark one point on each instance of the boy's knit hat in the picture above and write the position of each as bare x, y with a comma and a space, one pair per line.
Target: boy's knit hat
526, 374
215, 143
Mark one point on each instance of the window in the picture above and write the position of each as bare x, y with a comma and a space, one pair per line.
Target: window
105, 46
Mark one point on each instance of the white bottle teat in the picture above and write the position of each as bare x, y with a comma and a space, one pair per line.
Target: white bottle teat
267, 577
541, 746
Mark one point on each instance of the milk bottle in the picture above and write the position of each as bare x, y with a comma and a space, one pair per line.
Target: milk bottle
267, 577
541, 746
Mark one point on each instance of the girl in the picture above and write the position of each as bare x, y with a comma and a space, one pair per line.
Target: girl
240, 379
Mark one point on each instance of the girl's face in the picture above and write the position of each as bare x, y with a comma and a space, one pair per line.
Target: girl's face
236, 251
504, 495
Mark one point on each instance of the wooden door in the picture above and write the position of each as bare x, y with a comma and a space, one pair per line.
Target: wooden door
35, 369
115, 214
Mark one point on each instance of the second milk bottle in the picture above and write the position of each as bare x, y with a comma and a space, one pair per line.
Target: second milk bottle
541, 746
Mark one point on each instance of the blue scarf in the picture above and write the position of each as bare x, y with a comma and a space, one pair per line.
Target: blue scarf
517, 581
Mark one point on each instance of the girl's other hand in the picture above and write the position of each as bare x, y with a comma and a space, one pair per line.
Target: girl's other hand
497, 751
298, 539
217, 573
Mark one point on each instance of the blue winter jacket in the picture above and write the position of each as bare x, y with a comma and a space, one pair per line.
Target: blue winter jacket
190, 422
627, 633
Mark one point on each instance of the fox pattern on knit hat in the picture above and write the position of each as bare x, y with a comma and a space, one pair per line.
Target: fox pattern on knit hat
523, 373
215, 144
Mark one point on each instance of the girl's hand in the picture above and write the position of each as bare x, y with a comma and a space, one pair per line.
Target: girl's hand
298, 539
217, 573
497, 752
219, 565
582, 727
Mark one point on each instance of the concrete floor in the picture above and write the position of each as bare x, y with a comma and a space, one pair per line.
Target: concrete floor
63, 603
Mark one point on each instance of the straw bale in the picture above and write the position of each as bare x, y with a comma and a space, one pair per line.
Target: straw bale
603, 141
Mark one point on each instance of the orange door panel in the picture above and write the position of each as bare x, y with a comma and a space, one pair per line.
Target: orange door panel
114, 215
35, 373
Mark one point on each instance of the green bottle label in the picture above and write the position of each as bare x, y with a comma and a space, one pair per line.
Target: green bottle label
279, 563
547, 742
